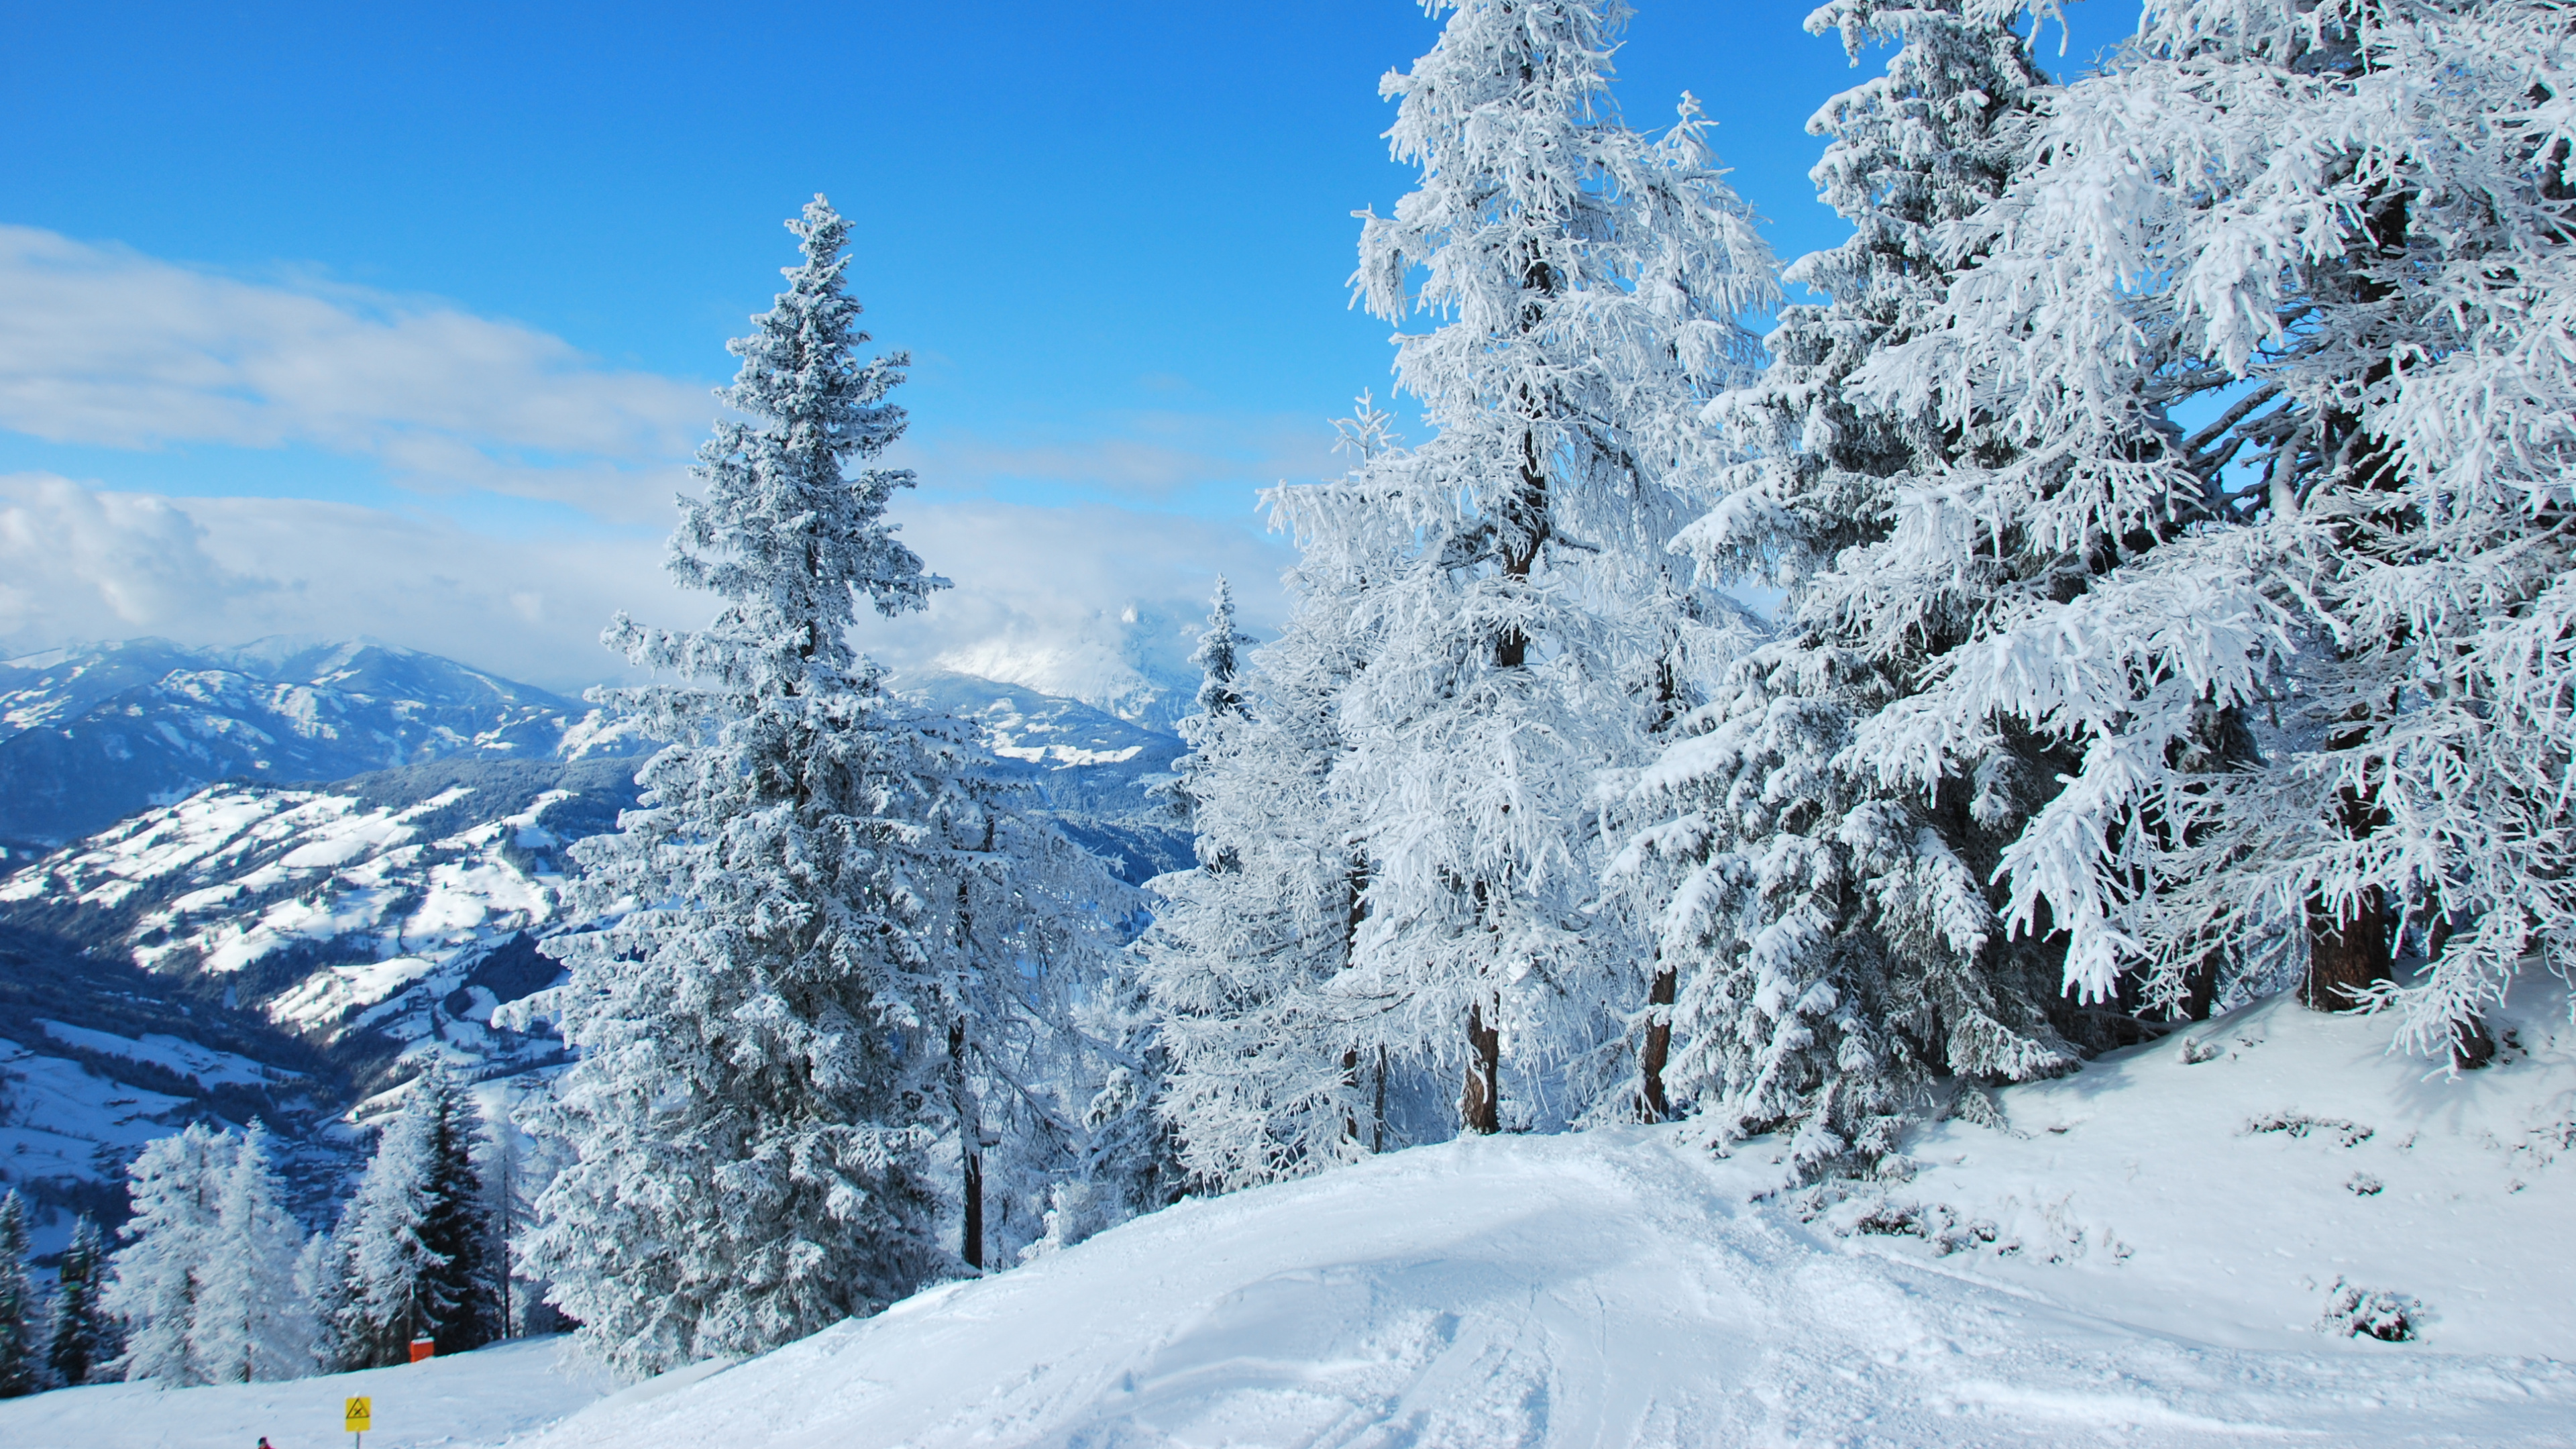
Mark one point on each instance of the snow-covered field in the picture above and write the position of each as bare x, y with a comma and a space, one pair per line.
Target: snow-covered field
2140, 1254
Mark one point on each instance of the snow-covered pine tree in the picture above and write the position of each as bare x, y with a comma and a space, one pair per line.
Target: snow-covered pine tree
461, 1291
22, 1360
327, 1282
254, 1324
381, 1250
1219, 657
417, 1234
1267, 1081
177, 1186
827, 942
82, 1340
1587, 285
1835, 945
2321, 703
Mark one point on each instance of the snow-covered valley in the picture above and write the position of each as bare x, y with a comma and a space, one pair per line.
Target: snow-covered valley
288, 952
2138, 1254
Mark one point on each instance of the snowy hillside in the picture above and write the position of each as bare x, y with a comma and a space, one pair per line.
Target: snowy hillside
1624, 1287
98, 1058
90, 735
2158, 1264
301, 943
1093, 769
387, 913
2145, 1252
294, 946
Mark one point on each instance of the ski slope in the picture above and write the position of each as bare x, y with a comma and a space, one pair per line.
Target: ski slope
2140, 1254
2156, 1277
482, 1398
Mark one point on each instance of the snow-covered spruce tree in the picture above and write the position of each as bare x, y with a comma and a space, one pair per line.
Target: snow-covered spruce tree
462, 1288
22, 1359
1836, 947
827, 941
82, 1340
254, 1324
327, 1282
1587, 285
2322, 701
416, 1235
1219, 657
1266, 1079
154, 1281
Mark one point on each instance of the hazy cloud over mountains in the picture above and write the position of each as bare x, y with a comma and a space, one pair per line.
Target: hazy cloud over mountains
117, 353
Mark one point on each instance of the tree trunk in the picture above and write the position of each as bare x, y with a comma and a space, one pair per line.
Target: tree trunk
1652, 1103
1480, 1105
2347, 953
970, 1149
1377, 1120
2472, 1044
1351, 1083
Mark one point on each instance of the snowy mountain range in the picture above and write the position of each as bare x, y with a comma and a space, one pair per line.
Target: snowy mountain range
287, 951
1131, 664
91, 734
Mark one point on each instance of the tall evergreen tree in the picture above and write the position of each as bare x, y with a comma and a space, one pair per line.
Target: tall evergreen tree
1835, 947
82, 1340
828, 944
417, 1235
463, 1289
1267, 1078
254, 1324
2318, 681
21, 1357
1587, 286
156, 1279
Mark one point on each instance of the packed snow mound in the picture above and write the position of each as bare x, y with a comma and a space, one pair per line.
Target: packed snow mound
479, 1398
2172, 1268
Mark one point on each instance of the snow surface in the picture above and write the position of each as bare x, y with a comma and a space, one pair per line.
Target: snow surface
62, 1120
2153, 1276
485, 1397
182, 1057
1627, 1287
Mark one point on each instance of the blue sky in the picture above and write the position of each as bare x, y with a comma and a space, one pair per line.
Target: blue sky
324, 316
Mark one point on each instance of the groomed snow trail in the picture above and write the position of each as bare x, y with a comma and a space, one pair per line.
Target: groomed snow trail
480, 1398
1615, 1288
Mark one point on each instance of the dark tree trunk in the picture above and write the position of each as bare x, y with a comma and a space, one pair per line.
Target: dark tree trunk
1377, 1121
970, 1149
1653, 1104
2472, 1045
2347, 952
1351, 1083
1480, 1105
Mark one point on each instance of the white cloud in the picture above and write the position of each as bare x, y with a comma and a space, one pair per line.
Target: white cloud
102, 346
1154, 457
1082, 592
